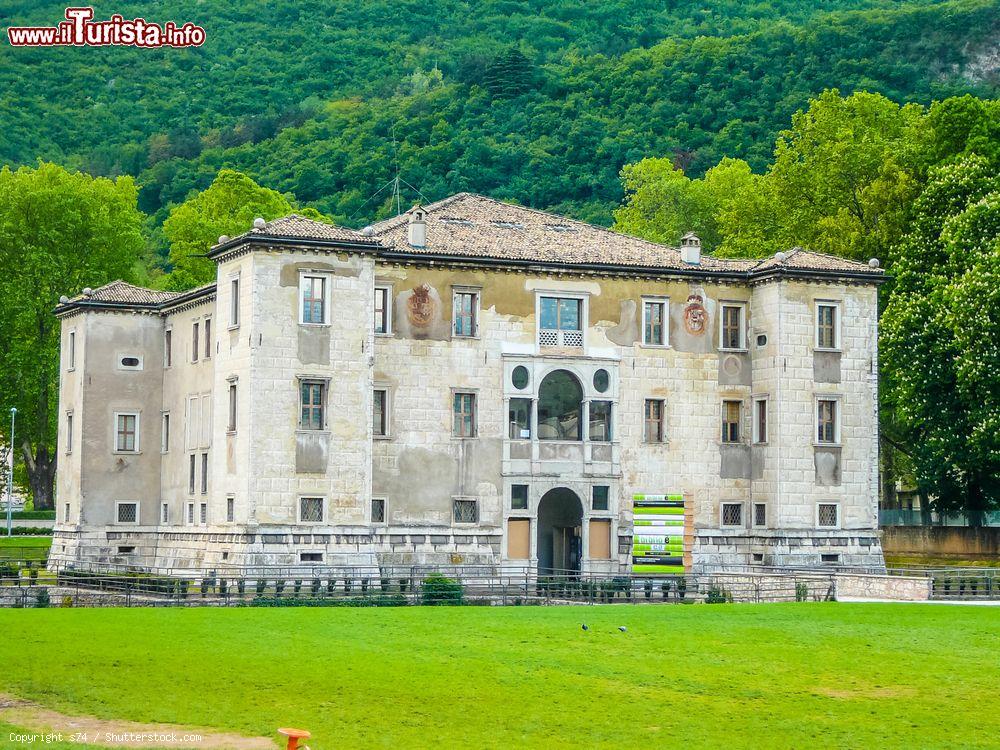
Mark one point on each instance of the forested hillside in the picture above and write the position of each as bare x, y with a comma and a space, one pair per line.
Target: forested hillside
538, 102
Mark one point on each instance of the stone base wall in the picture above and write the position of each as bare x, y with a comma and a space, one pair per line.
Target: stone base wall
153, 550
899, 588
725, 548
941, 540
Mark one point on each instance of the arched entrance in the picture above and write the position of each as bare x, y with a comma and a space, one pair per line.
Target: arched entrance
560, 525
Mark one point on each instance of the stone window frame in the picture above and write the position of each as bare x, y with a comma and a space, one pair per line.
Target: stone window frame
664, 303
233, 410
385, 506
207, 332
387, 290
527, 496
69, 432
756, 436
835, 504
164, 432
583, 297
234, 301
203, 514
137, 443
322, 508
230, 508
189, 514
476, 292
837, 318
71, 350
310, 557
726, 437
164, 512
168, 347
121, 357
204, 472
741, 524
646, 421
753, 517
472, 502
593, 499
195, 339
324, 382
386, 433
742, 306
327, 279
474, 393
837, 419
118, 513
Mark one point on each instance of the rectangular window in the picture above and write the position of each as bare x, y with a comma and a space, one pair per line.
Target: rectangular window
165, 433
313, 294
732, 334
128, 513
464, 409
164, 513
168, 348
312, 400
465, 310
519, 496
832, 557
827, 333
66, 514
195, 343
192, 472
383, 319
599, 497
732, 515
731, 421
234, 302
380, 412
760, 420
69, 432
465, 510
600, 421
190, 514
654, 328
654, 421
72, 350
230, 509
127, 433
208, 338
759, 514
204, 473
310, 510
519, 417
828, 515
827, 429
203, 514
560, 321
311, 557
232, 407
378, 510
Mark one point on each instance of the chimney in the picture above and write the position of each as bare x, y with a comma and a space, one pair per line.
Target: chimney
691, 249
417, 229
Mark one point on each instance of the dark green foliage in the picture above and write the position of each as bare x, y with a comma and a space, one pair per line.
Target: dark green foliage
42, 598
380, 600
716, 595
439, 590
30, 515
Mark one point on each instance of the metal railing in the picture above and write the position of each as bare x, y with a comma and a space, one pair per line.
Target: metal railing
905, 517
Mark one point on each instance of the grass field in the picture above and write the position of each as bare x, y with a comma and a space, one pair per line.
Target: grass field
784, 675
25, 547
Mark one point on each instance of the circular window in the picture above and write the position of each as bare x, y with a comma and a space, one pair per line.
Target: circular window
520, 377
601, 380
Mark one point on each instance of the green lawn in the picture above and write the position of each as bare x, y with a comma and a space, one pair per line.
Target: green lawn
783, 675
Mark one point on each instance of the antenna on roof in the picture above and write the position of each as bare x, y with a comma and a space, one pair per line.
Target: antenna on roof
396, 182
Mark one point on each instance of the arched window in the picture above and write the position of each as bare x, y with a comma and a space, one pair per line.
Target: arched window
560, 407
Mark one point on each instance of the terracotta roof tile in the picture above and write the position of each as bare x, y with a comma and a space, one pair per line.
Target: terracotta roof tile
122, 292
479, 227
806, 260
299, 227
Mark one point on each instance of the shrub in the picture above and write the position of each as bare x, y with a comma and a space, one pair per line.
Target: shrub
241, 586
347, 585
67, 601
42, 598
279, 587
439, 590
402, 585
297, 586
665, 588
648, 588
801, 592
331, 584
315, 586
385, 583
716, 595
261, 586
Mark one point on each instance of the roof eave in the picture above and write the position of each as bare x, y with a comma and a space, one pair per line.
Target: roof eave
272, 239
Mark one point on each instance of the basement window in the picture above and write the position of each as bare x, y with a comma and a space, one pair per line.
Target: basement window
126, 550
831, 558
311, 557
758, 557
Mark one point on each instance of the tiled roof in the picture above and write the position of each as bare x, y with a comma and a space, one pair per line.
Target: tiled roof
806, 260
121, 292
479, 227
299, 227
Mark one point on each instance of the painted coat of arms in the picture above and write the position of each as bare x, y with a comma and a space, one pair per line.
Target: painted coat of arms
695, 315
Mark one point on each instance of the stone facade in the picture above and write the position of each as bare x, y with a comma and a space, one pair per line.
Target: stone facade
242, 473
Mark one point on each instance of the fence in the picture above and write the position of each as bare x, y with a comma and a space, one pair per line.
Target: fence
904, 517
396, 587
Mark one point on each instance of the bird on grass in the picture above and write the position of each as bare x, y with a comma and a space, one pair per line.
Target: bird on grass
584, 626
622, 629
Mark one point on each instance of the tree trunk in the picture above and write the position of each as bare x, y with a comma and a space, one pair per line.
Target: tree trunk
890, 500
925, 507
975, 506
41, 475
